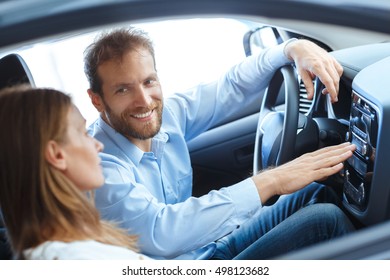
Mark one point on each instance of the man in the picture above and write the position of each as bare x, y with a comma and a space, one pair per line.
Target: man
147, 164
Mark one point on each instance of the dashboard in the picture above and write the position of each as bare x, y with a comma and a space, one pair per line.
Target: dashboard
365, 109
366, 181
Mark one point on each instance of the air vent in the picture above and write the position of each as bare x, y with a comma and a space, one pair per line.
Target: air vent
304, 103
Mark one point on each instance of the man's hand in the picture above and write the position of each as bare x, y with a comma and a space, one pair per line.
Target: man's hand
311, 61
300, 172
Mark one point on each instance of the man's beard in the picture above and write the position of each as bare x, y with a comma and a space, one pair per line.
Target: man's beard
121, 124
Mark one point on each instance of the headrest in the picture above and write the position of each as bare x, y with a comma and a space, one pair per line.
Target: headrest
13, 71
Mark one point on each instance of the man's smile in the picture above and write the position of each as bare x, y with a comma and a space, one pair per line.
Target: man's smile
143, 115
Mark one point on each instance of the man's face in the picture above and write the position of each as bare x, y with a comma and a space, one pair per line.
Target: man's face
132, 102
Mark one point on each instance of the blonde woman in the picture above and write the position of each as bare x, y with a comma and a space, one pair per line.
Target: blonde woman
49, 169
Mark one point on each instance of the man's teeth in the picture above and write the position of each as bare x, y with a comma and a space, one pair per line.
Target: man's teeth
143, 115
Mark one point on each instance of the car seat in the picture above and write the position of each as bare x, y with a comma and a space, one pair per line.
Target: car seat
5, 249
13, 71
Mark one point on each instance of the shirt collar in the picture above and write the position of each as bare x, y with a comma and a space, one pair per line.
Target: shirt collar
129, 149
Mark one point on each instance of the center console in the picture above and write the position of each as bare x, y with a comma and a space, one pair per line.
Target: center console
363, 132
366, 187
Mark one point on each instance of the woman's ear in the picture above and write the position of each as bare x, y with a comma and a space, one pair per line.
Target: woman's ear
55, 155
96, 100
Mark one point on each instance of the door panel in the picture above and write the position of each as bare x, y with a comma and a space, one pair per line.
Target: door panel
223, 155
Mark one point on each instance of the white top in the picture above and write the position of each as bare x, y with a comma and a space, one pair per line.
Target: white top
80, 250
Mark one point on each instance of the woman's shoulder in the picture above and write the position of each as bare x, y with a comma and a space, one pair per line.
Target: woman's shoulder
80, 250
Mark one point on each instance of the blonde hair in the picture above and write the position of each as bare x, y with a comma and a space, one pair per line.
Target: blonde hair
39, 203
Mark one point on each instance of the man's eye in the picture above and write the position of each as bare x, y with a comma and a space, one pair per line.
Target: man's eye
150, 82
121, 90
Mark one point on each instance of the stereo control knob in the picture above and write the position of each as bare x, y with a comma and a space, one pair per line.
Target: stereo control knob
362, 193
364, 149
347, 175
347, 136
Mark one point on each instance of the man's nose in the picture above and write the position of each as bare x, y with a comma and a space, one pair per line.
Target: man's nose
142, 97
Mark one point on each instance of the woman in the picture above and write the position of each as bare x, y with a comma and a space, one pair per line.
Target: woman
49, 165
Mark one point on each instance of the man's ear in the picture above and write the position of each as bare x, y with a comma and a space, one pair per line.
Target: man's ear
96, 100
55, 155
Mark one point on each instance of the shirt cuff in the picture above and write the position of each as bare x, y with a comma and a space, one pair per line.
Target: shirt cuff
245, 196
277, 56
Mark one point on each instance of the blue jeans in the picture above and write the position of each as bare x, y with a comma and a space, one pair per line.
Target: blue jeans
306, 217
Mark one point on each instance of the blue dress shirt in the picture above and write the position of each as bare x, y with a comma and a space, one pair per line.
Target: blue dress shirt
149, 193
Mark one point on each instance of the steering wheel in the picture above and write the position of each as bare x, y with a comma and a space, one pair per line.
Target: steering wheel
277, 130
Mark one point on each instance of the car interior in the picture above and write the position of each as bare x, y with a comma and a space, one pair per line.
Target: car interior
360, 117
285, 124
364, 185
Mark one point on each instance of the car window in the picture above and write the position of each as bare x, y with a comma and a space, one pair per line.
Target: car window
188, 51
